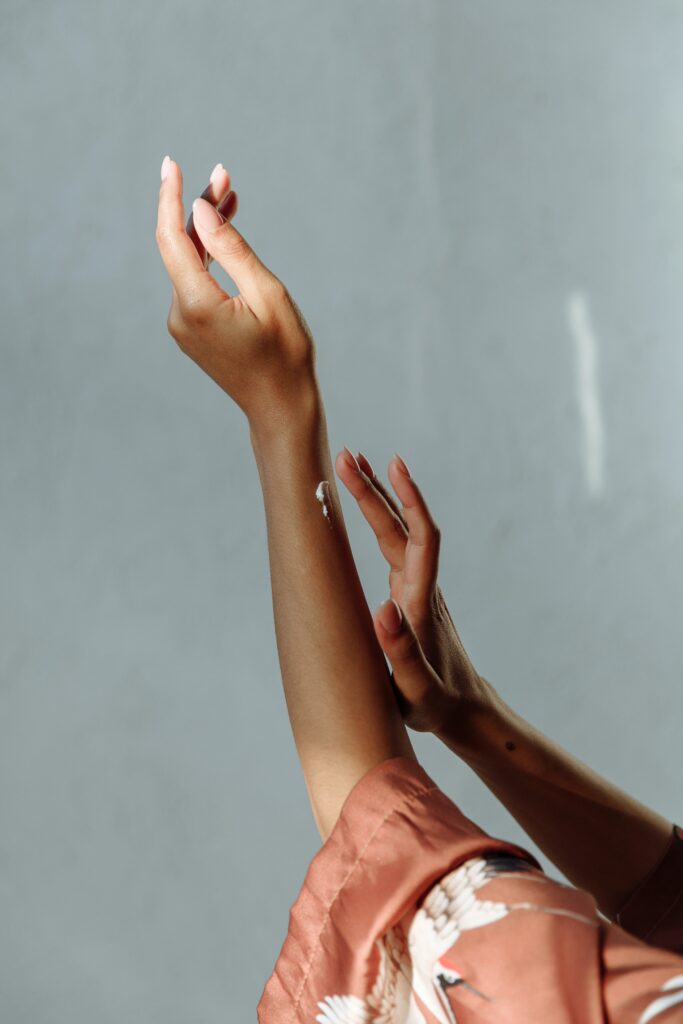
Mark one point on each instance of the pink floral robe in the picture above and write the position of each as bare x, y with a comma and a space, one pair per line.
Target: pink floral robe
411, 914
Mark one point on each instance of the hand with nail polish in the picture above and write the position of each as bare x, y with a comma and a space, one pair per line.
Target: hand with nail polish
255, 344
434, 679
220, 195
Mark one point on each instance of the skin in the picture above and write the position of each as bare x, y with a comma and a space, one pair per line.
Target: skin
220, 195
602, 839
345, 710
255, 344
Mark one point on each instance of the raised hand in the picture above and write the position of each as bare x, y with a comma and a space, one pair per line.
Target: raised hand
255, 344
434, 678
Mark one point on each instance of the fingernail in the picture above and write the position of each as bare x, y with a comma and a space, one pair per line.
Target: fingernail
215, 172
392, 617
365, 464
401, 464
206, 215
350, 460
165, 166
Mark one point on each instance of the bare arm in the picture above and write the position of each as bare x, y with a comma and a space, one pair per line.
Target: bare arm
601, 838
257, 347
343, 715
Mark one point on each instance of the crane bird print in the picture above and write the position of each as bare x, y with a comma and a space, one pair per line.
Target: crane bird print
411, 973
672, 995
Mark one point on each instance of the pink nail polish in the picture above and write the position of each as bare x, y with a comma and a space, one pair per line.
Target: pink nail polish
401, 464
395, 617
206, 216
364, 461
165, 167
215, 172
350, 459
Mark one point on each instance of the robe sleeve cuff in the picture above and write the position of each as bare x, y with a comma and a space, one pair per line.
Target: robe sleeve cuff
396, 835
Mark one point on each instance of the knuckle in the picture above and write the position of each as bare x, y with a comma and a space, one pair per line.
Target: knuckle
276, 290
174, 323
276, 298
275, 306
194, 316
177, 329
237, 248
161, 235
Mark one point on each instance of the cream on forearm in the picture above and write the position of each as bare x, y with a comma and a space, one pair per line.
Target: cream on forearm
323, 495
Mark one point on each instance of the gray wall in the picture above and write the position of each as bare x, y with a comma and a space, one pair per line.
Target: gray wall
479, 208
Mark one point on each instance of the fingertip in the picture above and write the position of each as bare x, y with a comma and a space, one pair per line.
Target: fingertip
172, 183
218, 188
341, 464
394, 474
390, 617
216, 173
398, 477
365, 464
380, 628
401, 465
206, 216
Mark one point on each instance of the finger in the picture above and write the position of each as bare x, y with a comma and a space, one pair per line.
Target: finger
387, 527
413, 676
214, 193
229, 206
366, 466
233, 253
192, 282
424, 536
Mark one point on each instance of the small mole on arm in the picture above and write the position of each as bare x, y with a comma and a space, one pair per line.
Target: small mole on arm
323, 496
510, 745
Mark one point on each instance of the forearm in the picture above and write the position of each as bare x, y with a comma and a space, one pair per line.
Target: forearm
600, 838
343, 714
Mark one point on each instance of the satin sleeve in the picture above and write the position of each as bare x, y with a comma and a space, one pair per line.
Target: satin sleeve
411, 912
396, 835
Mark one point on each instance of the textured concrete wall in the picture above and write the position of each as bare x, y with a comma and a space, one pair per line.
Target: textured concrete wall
479, 208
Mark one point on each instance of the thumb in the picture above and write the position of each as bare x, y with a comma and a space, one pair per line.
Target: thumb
229, 249
414, 677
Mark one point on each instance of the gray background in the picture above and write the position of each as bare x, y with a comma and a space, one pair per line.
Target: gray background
469, 201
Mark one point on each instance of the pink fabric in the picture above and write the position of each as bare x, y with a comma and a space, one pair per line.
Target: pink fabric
411, 913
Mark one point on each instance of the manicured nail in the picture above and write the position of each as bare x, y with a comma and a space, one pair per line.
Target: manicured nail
350, 460
401, 464
215, 172
206, 215
165, 166
365, 464
392, 617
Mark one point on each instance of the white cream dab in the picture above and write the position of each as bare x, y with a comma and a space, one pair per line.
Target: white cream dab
322, 494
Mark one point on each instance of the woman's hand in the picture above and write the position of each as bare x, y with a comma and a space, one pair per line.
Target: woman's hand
435, 680
256, 344
599, 837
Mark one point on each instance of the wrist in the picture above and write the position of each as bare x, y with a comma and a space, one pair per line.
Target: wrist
478, 725
281, 421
